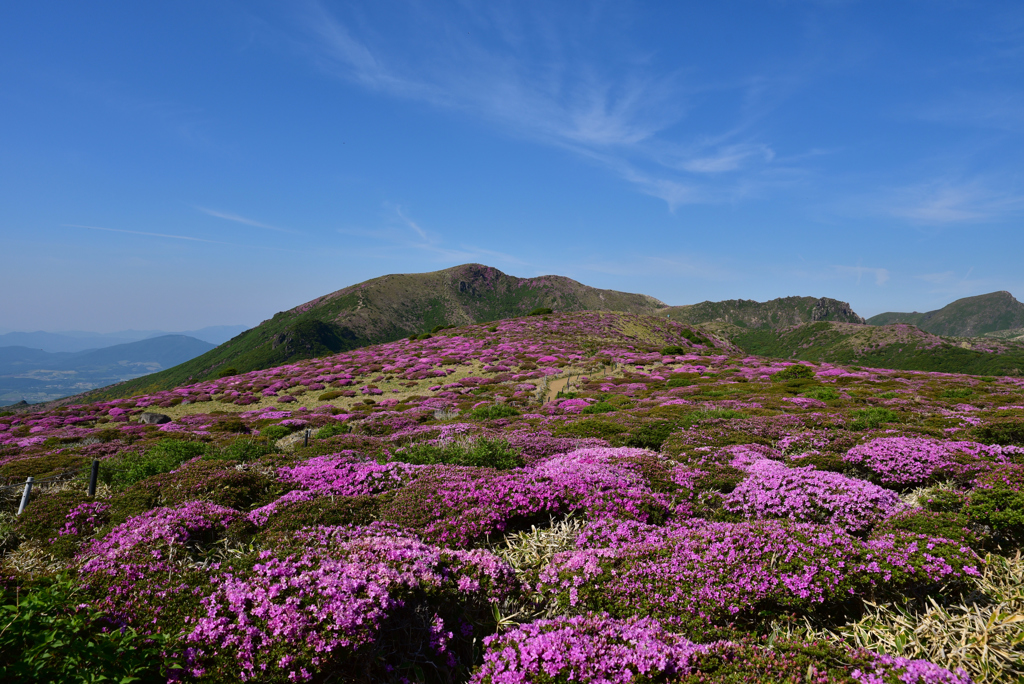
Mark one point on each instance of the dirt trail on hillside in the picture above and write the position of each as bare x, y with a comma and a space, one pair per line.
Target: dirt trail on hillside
554, 387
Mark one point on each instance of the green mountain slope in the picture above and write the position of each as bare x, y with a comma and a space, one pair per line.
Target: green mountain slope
967, 317
776, 313
386, 309
901, 347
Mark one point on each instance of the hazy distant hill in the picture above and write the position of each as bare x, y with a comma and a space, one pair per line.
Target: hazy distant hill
968, 317
776, 313
36, 375
389, 308
79, 340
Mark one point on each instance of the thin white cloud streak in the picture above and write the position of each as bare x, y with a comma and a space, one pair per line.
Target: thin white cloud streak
947, 202
139, 232
549, 94
428, 242
881, 274
227, 216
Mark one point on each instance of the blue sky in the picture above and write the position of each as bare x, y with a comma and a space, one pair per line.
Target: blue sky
178, 165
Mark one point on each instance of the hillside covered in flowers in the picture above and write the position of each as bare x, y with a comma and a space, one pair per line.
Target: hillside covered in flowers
583, 497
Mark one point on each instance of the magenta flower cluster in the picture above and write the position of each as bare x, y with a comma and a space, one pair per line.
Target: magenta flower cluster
773, 490
300, 613
908, 461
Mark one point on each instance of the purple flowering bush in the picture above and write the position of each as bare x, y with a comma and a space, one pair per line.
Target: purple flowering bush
595, 648
773, 490
356, 602
696, 574
647, 485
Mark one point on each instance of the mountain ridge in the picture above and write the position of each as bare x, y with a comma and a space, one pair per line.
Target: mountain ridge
967, 317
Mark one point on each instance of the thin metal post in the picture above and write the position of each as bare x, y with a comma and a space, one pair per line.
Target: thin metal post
305, 439
93, 476
25, 495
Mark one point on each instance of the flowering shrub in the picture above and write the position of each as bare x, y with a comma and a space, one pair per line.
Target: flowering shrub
321, 610
595, 648
698, 573
675, 487
772, 490
906, 461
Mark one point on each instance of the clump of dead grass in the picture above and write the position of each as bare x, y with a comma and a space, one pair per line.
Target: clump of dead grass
981, 630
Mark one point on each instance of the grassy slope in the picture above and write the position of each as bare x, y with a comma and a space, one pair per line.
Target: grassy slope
383, 310
968, 317
899, 347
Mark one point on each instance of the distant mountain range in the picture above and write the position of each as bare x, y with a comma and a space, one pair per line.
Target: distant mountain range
967, 317
391, 307
78, 340
35, 375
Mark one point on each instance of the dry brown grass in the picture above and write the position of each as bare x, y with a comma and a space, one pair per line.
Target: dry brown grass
981, 631
529, 553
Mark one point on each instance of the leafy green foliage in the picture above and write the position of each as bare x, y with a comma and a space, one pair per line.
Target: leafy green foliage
492, 411
599, 407
275, 432
795, 372
540, 311
871, 418
48, 633
591, 427
822, 393
334, 394
957, 393
243, 450
480, 453
131, 467
227, 372
678, 381
1002, 432
650, 436
45, 466
329, 431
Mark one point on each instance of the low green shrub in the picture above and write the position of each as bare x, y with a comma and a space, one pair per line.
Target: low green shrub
794, 372
954, 526
479, 453
50, 633
678, 381
591, 427
323, 510
227, 373
243, 450
131, 467
599, 407
540, 311
822, 393
957, 393
1008, 432
44, 466
674, 350
329, 431
331, 394
651, 435
872, 418
492, 411
997, 501
275, 432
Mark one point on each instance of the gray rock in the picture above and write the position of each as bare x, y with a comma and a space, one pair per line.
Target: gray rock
154, 418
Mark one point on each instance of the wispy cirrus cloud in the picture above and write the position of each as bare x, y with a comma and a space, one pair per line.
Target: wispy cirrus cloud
943, 202
140, 232
881, 275
530, 74
228, 216
394, 238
